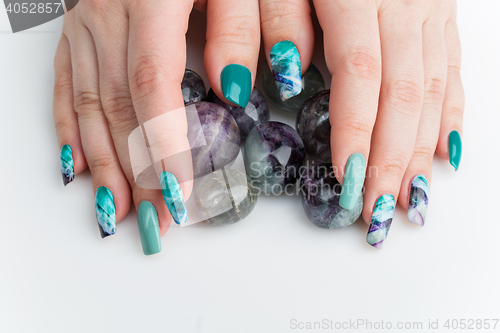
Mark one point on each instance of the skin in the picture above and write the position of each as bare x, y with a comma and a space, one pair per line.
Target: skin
396, 90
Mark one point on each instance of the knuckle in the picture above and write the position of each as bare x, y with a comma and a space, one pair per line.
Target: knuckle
62, 124
63, 82
434, 89
275, 17
118, 108
146, 76
404, 91
356, 128
101, 163
242, 34
86, 100
425, 152
364, 64
393, 165
454, 111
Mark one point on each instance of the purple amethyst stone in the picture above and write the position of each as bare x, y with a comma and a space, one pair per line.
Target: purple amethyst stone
217, 143
274, 155
320, 198
193, 88
313, 126
256, 111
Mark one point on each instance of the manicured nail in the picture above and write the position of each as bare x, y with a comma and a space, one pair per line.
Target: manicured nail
105, 211
172, 194
419, 200
67, 167
455, 149
381, 220
149, 230
285, 63
354, 179
236, 83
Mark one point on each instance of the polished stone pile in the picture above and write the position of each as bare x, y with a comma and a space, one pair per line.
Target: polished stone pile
193, 88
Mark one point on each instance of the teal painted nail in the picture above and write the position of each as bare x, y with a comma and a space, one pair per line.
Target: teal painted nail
67, 168
105, 211
354, 179
287, 71
381, 220
455, 149
172, 194
236, 82
149, 230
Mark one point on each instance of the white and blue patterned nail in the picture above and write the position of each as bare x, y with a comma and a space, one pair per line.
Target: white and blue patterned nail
381, 220
419, 200
105, 211
67, 167
287, 71
172, 194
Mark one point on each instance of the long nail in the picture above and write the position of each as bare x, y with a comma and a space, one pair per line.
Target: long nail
381, 220
287, 71
455, 149
419, 200
67, 167
353, 181
105, 211
236, 84
149, 230
172, 194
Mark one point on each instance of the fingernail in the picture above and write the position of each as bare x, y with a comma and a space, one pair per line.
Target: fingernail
353, 181
105, 211
67, 167
287, 71
236, 83
419, 200
172, 194
455, 149
149, 230
381, 220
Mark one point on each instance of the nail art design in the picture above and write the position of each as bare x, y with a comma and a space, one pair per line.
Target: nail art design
105, 211
67, 168
381, 220
454, 149
354, 179
287, 71
172, 194
149, 230
419, 200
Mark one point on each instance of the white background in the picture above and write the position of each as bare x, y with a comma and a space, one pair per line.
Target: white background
58, 275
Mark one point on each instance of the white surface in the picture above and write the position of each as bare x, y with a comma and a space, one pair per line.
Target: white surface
58, 275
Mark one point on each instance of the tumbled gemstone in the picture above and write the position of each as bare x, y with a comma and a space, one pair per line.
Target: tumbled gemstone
313, 126
256, 111
312, 82
320, 198
217, 143
273, 154
193, 88
223, 197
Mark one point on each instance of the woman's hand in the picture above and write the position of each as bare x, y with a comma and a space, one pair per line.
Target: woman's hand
396, 93
120, 63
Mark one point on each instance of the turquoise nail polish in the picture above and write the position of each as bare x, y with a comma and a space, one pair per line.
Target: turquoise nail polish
149, 229
236, 83
172, 194
419, 200
354, 179
287, 70
381, 220
67, 168
454, 149
105, 211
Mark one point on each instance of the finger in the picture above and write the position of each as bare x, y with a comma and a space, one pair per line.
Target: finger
156, 62
288, 36
152, 215
110, 185
65, 119
352, 50
450, 142
232, 49
401, 101
414, 192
